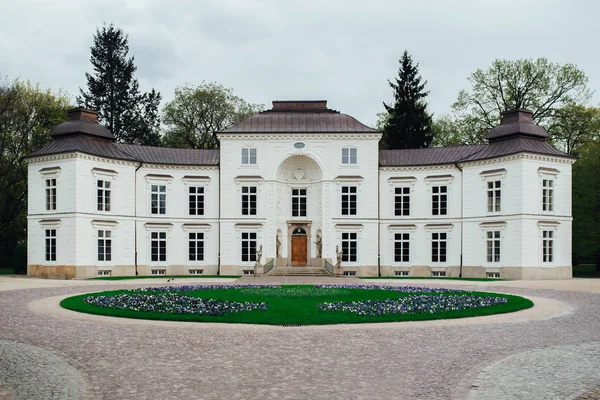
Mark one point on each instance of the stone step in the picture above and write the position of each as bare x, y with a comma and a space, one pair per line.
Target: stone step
297, 271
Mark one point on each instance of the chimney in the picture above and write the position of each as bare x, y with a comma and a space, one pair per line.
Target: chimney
82, 114
299, 105
518, 115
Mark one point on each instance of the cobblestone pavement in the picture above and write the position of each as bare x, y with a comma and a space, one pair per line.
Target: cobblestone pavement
213, 361
560, 372
29, 372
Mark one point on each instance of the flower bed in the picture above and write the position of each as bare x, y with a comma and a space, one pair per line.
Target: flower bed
172, 303
413, 304
294, 304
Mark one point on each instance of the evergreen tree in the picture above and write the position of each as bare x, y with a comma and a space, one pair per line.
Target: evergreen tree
407, 123
114, 92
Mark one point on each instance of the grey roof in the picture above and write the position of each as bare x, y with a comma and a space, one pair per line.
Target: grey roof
170, 155
83, 144
517, 128
455, 154
129, 152
300, 122
78, 126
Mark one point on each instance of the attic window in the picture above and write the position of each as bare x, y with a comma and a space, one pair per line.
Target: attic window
299, 145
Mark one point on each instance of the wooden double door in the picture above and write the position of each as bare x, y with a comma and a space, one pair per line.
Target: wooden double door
299, 247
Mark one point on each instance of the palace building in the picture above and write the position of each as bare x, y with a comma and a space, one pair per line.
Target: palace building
293, 184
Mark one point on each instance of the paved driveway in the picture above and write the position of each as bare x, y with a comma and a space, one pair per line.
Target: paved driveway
550, 351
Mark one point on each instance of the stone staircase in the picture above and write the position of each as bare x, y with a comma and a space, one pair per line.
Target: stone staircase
297, 271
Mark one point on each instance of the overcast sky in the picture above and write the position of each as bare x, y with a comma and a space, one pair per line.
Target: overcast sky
342, 51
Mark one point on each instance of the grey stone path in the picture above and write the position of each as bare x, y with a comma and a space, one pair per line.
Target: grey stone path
121, 360
28, 372
552, 373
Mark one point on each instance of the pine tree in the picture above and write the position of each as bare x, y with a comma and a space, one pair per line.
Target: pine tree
114, 92
408, 124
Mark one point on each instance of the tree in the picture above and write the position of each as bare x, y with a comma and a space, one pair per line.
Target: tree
113, 91
408, 124
197, 112
573, 126
27, 114
586, 203
540, 86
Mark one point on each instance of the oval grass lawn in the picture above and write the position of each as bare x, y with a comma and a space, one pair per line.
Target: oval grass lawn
297, 304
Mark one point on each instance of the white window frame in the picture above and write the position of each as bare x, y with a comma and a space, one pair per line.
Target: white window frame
349, 237
197, 196
401, 182
245, 228
250, 188
49, 174
349, 155
493, 247
349, 193
552, 228
486, 228
103, 192
159, 194
107, 176
110, 226
548, 195
548, 174
491, 177
439, 181
104, 235
249, 156
49, 225
248, 236
494, 196
299, 197
203, 229
402, 229
353, 229
158, 180
197, 182
430, 229
161, 228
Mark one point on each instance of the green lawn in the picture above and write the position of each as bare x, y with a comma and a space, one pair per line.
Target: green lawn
7, 271
120, 278
295, 305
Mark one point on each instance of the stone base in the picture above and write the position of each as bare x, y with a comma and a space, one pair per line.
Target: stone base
51, 271
510, 273
146, 270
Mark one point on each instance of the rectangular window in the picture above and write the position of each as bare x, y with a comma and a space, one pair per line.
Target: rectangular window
249, 156
248, 200
248, 246
50, 194
103, 196
349, 245
402, 201
158, 199
439, 200
50, 244
196, 200
493, 246
548, 195
493, 196
196, 246
438, 246
349, 155
401, 247
348, 200
158, 246
298, 202
547, 246
104, 245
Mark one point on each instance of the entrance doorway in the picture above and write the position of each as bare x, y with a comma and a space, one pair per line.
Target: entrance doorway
299, 247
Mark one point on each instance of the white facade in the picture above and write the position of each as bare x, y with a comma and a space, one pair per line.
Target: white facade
297, 194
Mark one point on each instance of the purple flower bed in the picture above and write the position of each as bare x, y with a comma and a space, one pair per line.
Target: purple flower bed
172, 303
414, 304
401, 289
193, 288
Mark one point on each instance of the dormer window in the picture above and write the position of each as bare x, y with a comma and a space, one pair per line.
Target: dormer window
349, 155
249, 156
